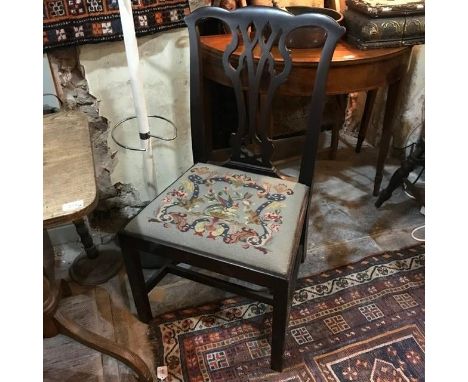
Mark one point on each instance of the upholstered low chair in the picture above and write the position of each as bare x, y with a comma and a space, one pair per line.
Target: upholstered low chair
240, 218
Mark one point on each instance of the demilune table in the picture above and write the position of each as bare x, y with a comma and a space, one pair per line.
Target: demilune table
351, 70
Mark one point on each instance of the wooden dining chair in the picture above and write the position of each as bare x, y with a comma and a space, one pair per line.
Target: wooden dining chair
238, 219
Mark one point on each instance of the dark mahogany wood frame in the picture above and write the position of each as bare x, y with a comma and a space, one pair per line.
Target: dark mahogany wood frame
263, 27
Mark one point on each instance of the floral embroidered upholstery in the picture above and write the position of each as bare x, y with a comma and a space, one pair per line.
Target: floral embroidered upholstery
245, 217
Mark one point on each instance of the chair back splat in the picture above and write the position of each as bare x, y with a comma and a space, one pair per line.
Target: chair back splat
261, 64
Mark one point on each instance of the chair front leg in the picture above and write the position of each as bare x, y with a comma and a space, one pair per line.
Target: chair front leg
137, 281
279, 327
303, 241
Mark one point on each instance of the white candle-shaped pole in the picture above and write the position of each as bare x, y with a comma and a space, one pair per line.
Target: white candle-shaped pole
133, 61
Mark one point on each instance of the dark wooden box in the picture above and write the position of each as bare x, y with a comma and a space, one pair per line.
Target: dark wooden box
370, 24
387, 8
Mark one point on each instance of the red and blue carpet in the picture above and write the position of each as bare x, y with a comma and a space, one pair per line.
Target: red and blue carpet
361, 322
77, 22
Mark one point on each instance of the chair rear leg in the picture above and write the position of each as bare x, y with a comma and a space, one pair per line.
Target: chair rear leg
137, 282
280, 324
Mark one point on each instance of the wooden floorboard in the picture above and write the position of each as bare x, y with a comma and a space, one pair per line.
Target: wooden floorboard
64, 358
105, 310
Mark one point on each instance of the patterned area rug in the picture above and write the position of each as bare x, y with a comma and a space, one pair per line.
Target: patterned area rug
361, 322
74, 22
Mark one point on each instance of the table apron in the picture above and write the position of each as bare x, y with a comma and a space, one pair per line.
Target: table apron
342, 78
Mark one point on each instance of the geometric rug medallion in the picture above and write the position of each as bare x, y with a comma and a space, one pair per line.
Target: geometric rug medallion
362, 322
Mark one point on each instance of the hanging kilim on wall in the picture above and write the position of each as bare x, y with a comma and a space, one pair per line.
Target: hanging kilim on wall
75, 22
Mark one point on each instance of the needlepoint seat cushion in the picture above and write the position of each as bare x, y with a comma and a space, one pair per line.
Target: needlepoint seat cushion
247, 218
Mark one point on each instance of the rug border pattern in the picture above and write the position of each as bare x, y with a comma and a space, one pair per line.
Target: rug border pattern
323, 285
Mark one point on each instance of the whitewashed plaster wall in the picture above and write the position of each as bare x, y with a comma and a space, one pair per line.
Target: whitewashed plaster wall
411, 110
164, 59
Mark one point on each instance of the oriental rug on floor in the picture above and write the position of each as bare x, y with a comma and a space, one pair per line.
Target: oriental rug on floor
361, 322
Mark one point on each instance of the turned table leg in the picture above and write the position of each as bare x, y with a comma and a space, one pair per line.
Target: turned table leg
86, 238
95, 266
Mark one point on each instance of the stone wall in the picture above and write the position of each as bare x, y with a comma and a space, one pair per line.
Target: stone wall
94, 79
73, 90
